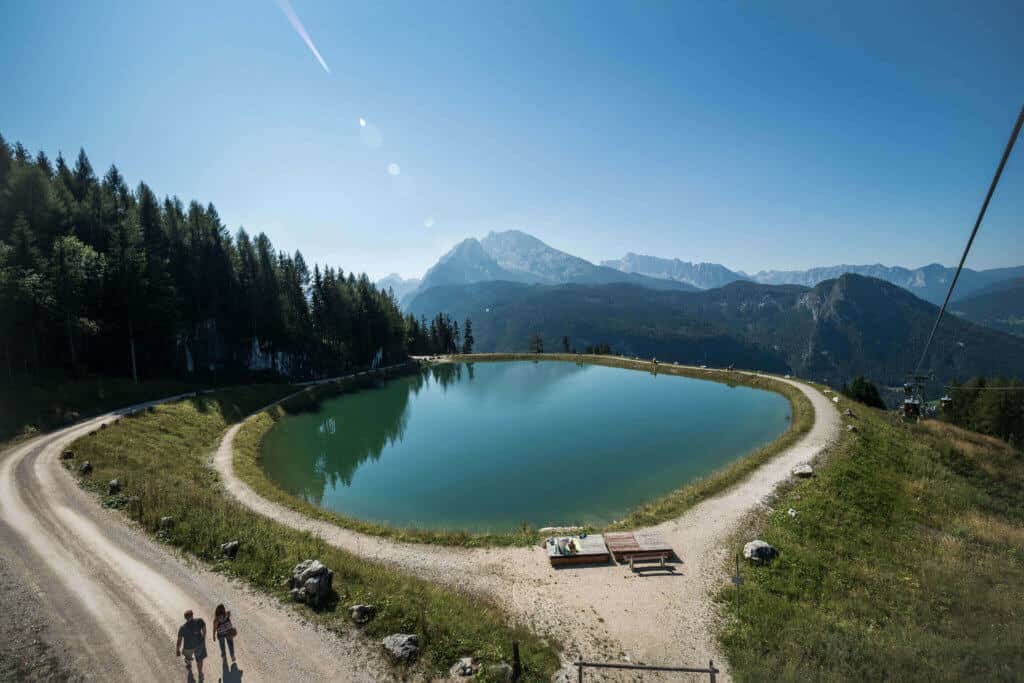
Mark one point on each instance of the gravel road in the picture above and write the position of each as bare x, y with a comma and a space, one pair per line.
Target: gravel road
87, 596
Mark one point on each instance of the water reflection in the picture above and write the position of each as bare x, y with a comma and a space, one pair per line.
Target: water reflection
326, 448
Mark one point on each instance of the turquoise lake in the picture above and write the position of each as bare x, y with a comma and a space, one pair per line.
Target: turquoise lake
489, 446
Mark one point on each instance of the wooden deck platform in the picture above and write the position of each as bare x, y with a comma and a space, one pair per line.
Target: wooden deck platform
623, 544
592, 550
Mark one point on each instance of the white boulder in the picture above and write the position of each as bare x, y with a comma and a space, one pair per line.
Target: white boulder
760, 552
803, 471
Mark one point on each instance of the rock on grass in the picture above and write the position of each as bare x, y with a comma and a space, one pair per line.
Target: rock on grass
760, 552
402, 647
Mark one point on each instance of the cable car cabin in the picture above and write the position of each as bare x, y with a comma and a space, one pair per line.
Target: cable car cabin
911, 402
911, 408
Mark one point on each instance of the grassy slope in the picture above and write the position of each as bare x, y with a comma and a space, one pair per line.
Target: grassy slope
249, 438
905, 562
162, 456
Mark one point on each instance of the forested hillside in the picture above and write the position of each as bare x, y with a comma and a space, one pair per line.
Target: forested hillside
993, 406
835, 331
999, 306
96, 276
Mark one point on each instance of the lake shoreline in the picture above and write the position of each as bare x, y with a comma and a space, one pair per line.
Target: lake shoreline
248, 448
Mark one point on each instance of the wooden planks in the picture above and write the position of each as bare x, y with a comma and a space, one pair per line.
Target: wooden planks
620, 545
623, 544
651, 541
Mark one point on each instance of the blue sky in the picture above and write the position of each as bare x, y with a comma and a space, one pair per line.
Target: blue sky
757, 135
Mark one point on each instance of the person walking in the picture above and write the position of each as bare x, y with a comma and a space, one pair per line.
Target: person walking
224, 630
192, 643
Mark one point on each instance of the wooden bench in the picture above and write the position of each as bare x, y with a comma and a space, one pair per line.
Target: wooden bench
658, 555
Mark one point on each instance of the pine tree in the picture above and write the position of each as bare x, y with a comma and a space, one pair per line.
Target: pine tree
95, 275
467, 337
536, 344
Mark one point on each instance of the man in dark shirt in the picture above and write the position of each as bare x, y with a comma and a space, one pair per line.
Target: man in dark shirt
192, 635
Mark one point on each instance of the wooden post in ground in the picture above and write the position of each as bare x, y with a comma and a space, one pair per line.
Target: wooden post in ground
580, 667
517, 667
711, 668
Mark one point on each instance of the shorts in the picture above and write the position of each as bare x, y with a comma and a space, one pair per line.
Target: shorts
198, 652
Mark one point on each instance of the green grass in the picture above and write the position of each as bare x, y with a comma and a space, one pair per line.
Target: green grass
162, 456
905, 562
249, 439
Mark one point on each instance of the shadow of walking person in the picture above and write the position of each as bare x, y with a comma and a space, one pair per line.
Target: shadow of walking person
230, 674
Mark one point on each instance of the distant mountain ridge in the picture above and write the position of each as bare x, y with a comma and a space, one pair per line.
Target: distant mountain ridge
833, 331
398, 284
514, 256
700, 275
929, 282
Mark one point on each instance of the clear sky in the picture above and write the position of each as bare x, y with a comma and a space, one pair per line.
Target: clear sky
754, 134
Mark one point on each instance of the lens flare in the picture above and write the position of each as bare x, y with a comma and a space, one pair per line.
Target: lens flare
293, 19
394, 169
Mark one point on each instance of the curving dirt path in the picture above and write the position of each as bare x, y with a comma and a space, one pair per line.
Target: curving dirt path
108, 600
603, 612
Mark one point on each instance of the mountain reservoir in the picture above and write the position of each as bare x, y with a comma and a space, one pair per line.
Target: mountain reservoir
492, 445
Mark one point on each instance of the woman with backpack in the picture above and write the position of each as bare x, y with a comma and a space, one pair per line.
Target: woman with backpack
224, 630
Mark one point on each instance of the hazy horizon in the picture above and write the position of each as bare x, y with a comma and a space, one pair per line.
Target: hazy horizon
760, 138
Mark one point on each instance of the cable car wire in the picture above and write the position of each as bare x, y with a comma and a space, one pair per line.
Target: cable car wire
974, 232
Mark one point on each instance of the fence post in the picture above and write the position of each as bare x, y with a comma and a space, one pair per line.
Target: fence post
579, 665
711, 668
517, 667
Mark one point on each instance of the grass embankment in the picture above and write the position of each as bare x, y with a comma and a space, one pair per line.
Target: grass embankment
249, 439
162, 457
905, 562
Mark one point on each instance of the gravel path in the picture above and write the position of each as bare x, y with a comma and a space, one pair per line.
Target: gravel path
597, 612
106, 600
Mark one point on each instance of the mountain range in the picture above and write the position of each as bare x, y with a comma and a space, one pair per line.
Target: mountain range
929, 282
830, 332
700, 275
515, 256
829, 323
